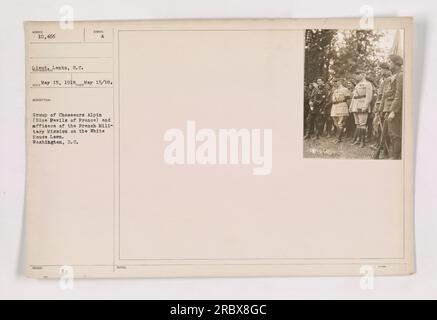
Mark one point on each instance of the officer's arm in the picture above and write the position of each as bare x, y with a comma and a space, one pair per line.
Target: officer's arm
398, 98
323, 95
369, 94
382, 99
329, 99
381, 89
347, 97
351, 100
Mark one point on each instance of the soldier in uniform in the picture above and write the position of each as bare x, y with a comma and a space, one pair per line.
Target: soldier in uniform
370, 119
311, 116
321, 115
340, 107
360, 106
307, 93
314, 118
394, 97
350, 123
327, 119
379, 114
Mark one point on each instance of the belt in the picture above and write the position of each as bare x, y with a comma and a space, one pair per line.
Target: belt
359, 97
338, 102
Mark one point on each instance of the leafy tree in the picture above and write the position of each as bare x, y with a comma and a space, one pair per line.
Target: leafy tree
318, 53
330, 53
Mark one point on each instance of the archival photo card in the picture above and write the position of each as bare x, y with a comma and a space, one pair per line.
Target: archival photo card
219, 148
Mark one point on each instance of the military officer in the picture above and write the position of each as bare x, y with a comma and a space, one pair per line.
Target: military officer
361, 106
312, 112
340, 107
371, 116
322, 98
394, 98
350, 123
317, 102
384, 83
307, 94
327, 119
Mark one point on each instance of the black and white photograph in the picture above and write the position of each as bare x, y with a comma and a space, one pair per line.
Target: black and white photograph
353, 94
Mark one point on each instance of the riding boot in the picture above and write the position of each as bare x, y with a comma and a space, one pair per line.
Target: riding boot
355, 139
317, 137
340, 136
362, 138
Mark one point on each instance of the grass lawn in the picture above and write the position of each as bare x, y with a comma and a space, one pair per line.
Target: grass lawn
325, 148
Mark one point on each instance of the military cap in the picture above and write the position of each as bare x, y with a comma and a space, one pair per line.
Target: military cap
352, 81
396, 59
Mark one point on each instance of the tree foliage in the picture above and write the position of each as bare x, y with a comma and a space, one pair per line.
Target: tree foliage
330, 53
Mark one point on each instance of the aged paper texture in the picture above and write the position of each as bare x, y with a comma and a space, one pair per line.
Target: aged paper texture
175, 148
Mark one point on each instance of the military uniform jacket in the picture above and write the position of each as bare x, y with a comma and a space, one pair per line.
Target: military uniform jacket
383, 87
393, 96
318, 98
328, 103
340, 98
362, 97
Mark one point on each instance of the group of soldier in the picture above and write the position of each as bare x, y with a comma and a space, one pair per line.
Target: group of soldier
359, 108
